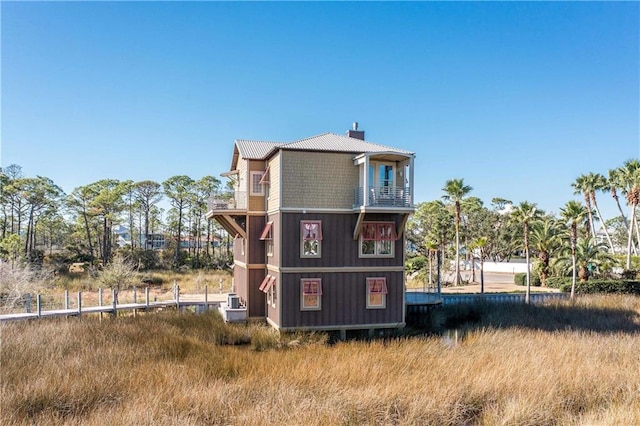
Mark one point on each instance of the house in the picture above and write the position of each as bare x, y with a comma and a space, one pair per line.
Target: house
122, 235
319, 231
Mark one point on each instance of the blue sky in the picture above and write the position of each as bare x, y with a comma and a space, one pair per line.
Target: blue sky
516, 98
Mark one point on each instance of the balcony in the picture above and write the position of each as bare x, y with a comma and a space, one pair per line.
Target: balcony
229, 210
383, 196
229, 200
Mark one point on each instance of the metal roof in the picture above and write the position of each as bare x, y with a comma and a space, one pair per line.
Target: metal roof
328, 142
255, 150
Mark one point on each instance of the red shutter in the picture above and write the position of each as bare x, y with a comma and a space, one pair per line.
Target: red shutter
263, 285
265, 232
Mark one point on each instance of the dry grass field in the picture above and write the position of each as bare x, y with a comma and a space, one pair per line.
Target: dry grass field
559, 364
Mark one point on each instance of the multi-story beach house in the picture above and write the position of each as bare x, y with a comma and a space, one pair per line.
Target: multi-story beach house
319, 231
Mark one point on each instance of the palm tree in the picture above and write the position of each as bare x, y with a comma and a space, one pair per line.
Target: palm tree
526, 213
630, 177
545, 238
573, 213
584, 185
480, 244
589, 254
456, 190
432, 246
615, 183
600, 183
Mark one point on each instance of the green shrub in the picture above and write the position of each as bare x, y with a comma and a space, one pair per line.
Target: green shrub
604, 286
416, 263
152, 280
521, 278
558, 282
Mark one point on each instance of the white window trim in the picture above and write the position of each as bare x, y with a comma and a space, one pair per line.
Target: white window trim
319, 296
375, 255
251, 180
268, 239
272, 290
384, 295
302, 240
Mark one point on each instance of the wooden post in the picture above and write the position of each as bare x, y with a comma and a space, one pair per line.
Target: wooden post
100, 301
178, 297
146, 298
27, 303
114, 294
206, 297
79, 304
66, 299
135, 300
39, 305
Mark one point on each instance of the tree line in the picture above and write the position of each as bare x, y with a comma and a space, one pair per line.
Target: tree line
460, 225
38, 218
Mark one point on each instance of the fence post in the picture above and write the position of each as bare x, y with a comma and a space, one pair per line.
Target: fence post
79, 304
206, 297
146, 298
39, 305
178, 297
27, 303
114, 294
135, 300
66, 299
100, 301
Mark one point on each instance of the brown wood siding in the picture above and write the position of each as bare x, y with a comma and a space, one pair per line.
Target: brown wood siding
256, 203
339, 249
344, 298
240, 282
257, 299
237, 250
256, 247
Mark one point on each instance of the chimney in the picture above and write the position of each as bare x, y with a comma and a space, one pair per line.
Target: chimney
355, 133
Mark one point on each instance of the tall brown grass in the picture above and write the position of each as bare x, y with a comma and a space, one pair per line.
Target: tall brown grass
189, 281
192, 370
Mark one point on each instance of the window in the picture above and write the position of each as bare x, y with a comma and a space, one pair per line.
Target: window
377, 239
310, 238
376, 293
269, 287
272, 296
267, 237
264, 180
311, 294
256, 184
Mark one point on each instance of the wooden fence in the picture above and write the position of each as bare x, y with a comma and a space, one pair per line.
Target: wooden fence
112, 306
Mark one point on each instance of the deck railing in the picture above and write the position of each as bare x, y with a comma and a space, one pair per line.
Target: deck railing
107, 302
382, 196
419, 298
228, 200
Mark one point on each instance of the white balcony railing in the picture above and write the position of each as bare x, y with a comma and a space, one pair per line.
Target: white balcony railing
383, 196
229, 200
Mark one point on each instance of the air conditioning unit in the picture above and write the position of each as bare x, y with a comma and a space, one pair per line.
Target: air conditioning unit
233, 301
